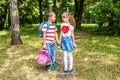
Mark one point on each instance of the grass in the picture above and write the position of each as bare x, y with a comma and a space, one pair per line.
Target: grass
96, 58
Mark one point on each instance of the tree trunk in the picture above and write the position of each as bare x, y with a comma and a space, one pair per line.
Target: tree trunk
54, 6
15, 35
9, 19
78, 12
81, 11
40, 10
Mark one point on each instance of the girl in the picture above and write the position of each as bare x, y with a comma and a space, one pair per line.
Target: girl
67, 40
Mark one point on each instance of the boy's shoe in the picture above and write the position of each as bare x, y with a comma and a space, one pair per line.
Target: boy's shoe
54, 70
48, 70
70, 70
48, 67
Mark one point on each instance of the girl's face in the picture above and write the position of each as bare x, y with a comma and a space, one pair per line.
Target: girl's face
65, 18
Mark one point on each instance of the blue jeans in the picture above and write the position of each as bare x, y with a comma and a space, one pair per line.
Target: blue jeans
51, 47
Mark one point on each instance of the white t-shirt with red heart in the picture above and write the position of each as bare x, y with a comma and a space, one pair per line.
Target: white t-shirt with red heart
66, 29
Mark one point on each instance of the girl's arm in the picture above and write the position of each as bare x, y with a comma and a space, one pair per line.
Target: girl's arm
73, 37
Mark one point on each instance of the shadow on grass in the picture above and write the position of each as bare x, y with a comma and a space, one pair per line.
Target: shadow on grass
97, 57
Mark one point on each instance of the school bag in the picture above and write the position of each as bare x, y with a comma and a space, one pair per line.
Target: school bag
44, 58
41, 26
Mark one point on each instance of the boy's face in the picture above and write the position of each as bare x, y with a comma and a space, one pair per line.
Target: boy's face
52, 18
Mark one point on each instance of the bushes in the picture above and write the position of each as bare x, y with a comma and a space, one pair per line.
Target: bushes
106, 14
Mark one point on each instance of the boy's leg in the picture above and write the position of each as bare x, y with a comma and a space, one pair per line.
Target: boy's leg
53, 55
48, 67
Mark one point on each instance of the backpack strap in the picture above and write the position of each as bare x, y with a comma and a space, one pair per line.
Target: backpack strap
54, 24
48, 25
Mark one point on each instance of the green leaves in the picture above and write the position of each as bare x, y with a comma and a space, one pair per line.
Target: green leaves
106, 13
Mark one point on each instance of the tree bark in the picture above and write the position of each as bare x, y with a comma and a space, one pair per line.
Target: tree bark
40, 10
81, 11
9, 19
15, 35
54, 6
78, 12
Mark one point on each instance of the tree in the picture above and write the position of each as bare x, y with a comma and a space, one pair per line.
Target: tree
40, 10
28, 11
15, 35
3, 13
54, 6
107, 15
78, 12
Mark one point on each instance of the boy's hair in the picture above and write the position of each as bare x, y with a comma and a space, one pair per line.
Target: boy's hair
71, 18
49, 14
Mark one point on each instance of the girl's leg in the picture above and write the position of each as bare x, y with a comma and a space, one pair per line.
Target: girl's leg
65, 61
71, 60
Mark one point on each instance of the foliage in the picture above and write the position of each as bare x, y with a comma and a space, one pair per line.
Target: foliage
28, 11
106, 14
3, 12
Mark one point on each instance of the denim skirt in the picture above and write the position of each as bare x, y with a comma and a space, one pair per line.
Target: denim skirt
67, 44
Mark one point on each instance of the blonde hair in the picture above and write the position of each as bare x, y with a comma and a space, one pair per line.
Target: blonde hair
71, 18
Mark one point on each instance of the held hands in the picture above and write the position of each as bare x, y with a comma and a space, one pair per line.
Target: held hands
58, 43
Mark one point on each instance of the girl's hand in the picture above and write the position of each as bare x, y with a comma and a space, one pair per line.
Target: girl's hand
44, 46
74, 45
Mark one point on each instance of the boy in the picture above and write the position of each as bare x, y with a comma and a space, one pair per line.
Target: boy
49, 37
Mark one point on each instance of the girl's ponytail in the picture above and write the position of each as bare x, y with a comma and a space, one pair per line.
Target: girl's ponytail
72, 20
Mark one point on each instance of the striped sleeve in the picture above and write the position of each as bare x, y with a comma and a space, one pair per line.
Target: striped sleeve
44, 29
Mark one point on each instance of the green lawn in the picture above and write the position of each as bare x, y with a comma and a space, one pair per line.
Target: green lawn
97, 57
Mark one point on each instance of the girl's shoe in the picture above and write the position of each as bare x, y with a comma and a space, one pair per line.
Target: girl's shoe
65, 70
70, 70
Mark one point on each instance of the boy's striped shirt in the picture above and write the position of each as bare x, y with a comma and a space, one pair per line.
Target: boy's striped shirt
50, 32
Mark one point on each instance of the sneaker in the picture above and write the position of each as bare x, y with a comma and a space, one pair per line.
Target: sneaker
70, 70
65, 70
48, 67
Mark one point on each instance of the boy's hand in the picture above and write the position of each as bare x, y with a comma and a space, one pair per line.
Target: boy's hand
44, 46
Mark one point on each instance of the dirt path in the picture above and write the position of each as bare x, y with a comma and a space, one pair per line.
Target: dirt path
67, 76
61, 75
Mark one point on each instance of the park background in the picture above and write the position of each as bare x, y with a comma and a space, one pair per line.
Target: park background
97, 37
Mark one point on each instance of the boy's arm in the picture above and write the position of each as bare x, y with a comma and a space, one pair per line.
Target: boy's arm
44, 40
56, 37
60, 36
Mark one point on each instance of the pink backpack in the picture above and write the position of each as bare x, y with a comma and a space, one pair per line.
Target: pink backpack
44, 57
